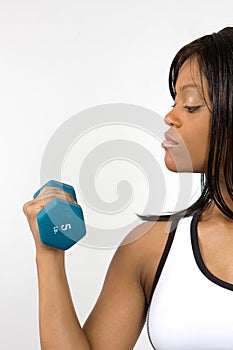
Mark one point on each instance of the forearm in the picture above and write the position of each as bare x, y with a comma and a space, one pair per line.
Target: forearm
59, 326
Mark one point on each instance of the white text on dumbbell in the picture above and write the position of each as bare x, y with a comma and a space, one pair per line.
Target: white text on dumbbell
62, 227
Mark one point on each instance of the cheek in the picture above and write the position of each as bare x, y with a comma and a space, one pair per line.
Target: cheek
200, 158
198, 148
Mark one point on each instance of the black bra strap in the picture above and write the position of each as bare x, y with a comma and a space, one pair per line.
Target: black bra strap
165, 255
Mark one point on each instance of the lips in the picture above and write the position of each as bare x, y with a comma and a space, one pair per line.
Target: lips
169, 141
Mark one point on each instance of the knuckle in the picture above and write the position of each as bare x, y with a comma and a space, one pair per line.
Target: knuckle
28, 209
25, 208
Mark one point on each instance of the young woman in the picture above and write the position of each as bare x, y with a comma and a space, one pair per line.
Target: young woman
178, 275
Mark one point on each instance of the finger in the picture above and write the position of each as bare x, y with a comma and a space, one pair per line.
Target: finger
53, 192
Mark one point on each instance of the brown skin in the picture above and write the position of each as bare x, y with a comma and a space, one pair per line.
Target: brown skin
119, 314
189, 120
191, 130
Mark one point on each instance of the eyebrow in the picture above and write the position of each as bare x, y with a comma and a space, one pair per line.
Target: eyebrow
193, 86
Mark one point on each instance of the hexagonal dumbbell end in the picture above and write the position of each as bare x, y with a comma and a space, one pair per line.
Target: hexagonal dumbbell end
61, 223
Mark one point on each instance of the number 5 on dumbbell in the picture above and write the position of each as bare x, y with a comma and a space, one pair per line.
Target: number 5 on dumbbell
61, 223
63, 228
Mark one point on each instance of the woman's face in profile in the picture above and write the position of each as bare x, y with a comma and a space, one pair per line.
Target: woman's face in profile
187, 140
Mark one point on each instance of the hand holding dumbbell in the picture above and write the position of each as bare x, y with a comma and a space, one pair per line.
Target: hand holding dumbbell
60, 222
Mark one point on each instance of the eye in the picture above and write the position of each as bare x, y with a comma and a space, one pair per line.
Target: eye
192, 109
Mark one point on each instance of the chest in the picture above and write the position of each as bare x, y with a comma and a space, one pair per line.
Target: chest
191, 307
215, 247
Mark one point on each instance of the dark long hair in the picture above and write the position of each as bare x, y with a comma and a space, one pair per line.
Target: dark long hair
214, 55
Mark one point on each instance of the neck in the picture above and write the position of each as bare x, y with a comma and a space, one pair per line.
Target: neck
213, 212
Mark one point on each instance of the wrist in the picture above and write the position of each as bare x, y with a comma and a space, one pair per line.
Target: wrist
49, 256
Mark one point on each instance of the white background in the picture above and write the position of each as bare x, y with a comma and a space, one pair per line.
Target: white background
58, 58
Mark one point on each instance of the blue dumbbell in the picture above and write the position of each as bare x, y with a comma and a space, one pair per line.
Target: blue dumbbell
61, 223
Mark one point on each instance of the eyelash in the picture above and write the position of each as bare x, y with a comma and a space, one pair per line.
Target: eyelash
190, 109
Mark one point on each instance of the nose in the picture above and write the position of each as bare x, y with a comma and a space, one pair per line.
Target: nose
172, 119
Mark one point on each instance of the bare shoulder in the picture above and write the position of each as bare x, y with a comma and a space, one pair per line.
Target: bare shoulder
143, 248
147, 237
147, 230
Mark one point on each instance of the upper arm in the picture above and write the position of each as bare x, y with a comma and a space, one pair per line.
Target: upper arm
120, 312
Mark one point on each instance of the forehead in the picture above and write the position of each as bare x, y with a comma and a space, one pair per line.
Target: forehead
189, 76
191, 81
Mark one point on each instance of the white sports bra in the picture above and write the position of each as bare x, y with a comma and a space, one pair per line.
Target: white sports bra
190, 308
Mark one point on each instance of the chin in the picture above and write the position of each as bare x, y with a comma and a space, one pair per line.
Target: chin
183, 168
171, 167
178, 165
